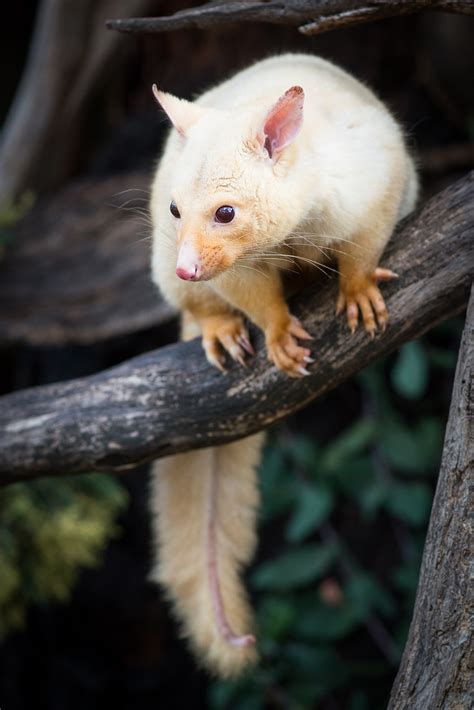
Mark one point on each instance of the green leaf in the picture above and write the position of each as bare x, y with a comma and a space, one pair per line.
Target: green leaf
371, 498
411, 502
277, 616
279, 487
324, 622
314, 505
366, 593
304, 452
315, 671
410, 373
414, 450
355, 475
351, 442
296, 568
316, 660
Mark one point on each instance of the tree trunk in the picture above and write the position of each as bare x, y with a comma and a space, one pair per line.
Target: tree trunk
437, 667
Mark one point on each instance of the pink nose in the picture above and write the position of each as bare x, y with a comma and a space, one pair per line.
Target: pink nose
191, 274
188, 262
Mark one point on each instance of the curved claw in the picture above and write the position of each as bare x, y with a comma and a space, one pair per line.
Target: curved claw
225, 333
246, 344
296, 329
384, 274
285, 352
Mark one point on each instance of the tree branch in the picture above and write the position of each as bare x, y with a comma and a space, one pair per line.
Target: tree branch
172, 400
436, 668
321, 15
93, 228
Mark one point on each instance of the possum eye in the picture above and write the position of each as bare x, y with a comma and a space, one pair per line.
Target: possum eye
174, 210
224, 214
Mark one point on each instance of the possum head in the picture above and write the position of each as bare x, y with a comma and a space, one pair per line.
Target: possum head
231, 183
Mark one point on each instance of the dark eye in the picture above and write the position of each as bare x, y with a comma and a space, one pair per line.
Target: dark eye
174, 210
225, 214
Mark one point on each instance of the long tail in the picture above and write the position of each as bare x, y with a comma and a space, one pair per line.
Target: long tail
205, 505
205, 502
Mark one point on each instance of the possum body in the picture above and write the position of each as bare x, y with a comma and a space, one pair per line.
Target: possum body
290, 165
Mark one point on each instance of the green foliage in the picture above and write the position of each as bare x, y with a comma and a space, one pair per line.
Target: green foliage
410, 372
335, 598
295, 568
49, 530
314, 504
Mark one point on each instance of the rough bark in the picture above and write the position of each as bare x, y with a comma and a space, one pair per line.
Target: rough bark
437, 666
69, 57
77, 268
172, 400
312, 16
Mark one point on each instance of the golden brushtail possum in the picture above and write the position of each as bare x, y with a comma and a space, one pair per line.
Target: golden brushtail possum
288, 164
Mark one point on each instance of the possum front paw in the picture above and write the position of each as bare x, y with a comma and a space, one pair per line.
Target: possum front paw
361, 292
283, 349
227, 333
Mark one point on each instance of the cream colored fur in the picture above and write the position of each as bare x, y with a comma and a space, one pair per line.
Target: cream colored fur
181, 493
349, 155
334, 189
181, 498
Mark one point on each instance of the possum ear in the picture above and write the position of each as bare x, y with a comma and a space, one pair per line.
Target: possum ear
283, 122
182, 114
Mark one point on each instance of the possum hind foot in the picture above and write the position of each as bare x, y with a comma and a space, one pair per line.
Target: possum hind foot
360, 291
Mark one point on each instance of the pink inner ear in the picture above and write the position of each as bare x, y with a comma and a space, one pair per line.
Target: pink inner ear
284, 120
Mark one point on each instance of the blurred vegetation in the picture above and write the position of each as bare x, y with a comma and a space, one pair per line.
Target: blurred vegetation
343, 520
347, 520
49, 530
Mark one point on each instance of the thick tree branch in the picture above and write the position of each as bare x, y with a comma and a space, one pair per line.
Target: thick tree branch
436, 669
312, 16
172, 400
77, 269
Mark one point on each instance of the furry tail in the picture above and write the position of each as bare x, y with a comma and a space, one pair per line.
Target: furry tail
205, 506
205, 502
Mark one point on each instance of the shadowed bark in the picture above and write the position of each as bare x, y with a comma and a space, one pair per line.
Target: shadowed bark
78, 266
312, 16
172, 400
437, 666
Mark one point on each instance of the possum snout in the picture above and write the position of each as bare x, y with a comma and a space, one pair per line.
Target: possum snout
201, 262
188, 275
188, 265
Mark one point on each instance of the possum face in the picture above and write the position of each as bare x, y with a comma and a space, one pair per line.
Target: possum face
211, 234
226, 199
